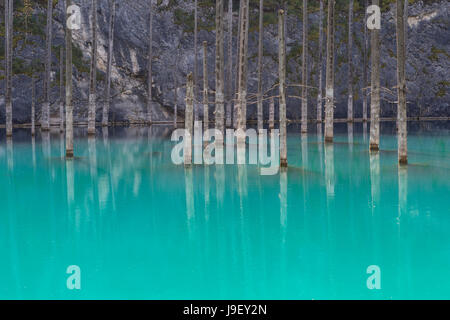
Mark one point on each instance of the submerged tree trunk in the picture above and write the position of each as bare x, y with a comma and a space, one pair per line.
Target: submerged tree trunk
365, 52
196, 115
189, 120
242, 84
93, 75
107, 104
329, 101
320, 64
401, 84
69, 106
205, 86
305, 69
8, 64
230, 65
219, 110
260, 65
282, 76
149, 67
375, 89
33, 105
45, 122
350, 62
61, 89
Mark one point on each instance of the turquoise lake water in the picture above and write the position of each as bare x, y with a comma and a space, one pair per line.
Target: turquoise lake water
140, 227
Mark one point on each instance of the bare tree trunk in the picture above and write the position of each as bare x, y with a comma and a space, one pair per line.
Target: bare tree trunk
282, 76
107, 104
329, 102
8, 64
33, 105
350, 62
175, 107
260, 65
320, 64
196, 111
219, 110
401, 84
242, 84
61, 89
272, 114
93, 75
304, 128
69, 106
236, 91
189, 120
149, 67
230, 65
365, 52
205, 86
375, 89
45, 122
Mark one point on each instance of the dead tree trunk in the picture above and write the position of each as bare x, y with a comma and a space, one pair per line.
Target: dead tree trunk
93, 75
260, 65
320, 64
282, 76
329, 101
236, 87
272, 114
33, 105
189, 120
350, 62
175, 107
61, 89
230, 65
242, 84
365, 52
45, 122
196, 115
69, 106
8, 64
107, 104
205, 86
304, 128
219, 110
375, 89
149, 67
401, 84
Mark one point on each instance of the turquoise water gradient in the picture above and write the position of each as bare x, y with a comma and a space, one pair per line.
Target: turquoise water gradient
140, 227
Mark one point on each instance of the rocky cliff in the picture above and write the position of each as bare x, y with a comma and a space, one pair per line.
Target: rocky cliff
428, 60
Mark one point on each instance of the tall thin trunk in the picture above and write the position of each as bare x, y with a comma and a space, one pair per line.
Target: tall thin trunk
219, 111
329, 101
8, 64
238, 50
205, 86
230, 65
320, 64
272, 113
93, 75
33, 105
260, 65
149, 67
242, 84
365, 52
61, 89
350, 62
45, 122
69, 106
196, 115
282, 76
175, 107
189, 120
304, 128
375, 88
401, 84
107, 104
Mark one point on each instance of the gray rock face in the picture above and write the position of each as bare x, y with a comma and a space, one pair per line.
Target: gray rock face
428, 62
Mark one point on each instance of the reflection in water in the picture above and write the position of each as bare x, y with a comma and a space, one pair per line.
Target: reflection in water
71, 190
375, 178
319, 143
402, 191
220, 183
10, 154
62, 150
350, 135
207, 193
365, 131
46, 144
304, 150
189, 189
329, 169
105, 135
283, 199
33, 151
